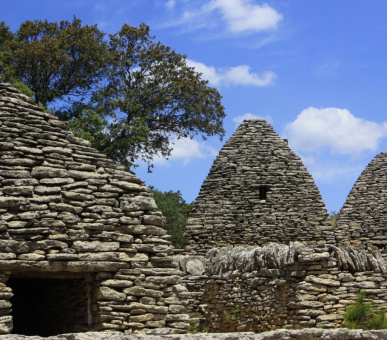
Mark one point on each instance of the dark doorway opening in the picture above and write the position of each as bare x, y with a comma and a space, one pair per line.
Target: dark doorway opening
50, 306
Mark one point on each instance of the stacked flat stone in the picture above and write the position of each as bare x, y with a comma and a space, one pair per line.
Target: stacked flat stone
287, 286
362, 220
68, 211
281, 334
258, 191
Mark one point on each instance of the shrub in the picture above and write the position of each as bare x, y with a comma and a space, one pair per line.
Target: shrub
361, 315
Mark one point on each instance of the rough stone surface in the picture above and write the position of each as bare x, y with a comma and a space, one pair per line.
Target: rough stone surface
281, 286
362, 220
80, 235
282, 334
69, 214
258, 191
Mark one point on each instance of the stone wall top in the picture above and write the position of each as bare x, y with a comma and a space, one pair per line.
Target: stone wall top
223, 261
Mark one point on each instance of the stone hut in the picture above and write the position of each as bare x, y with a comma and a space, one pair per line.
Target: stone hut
258, 191
362, 220
81, 243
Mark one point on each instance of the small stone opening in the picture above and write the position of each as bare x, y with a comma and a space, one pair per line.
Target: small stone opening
50, 306
263, 192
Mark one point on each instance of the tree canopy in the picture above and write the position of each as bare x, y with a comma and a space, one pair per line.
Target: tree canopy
127, 93
176, 210
53, 59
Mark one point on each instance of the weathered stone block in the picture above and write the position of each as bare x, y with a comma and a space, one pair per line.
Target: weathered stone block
97, 246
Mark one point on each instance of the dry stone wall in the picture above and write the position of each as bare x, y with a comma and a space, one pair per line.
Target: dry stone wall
363, 218
258, 191
284, 286
282, 334
79, 232
194, 281
68, 212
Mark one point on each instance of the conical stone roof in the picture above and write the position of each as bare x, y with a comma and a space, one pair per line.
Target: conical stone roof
362, 220
54, 186
258, 191
66, 210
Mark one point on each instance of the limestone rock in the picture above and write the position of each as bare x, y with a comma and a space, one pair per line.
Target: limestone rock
72, 228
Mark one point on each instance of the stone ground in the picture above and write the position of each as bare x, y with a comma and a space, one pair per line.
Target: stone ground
281, 334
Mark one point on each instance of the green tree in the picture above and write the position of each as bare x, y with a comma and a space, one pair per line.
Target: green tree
176, 210
150, 96
56, 61
126, 93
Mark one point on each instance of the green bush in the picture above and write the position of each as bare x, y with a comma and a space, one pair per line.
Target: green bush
361, 315
378, 321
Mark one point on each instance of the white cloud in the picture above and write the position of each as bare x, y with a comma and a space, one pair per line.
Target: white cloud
242, 75
238, 16
187, 149
335, 129
239, 119
170, 4
326, 173
333, 170
209, 72
238, 75
242, 15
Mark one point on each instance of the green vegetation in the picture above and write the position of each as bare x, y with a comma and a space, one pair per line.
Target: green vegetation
127, 94
193, 328
198, 327
333, 217
53, 60
361, 315
176, 210
233, 314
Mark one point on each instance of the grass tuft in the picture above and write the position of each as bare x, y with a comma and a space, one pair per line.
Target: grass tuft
361, 315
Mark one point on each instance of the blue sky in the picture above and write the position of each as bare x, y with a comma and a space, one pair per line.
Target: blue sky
316, 70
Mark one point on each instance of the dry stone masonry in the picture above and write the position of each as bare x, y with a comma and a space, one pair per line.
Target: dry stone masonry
81, 243
82, 246
293, 286
363, 218
281, 334
258, 191
284, 286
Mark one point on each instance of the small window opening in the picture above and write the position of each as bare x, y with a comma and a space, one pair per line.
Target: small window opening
263, 192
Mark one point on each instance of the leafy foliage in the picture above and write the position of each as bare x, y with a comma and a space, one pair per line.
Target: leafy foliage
333, 218
361, 315
53, 59
176, 210
127, 94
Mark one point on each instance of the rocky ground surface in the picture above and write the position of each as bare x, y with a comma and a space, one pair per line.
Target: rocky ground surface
281, 334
